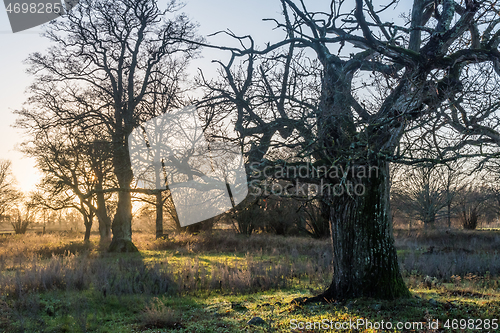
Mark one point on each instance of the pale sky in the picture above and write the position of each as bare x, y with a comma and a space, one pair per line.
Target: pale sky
243, 17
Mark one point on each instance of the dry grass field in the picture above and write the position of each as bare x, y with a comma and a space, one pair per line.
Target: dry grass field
219, 281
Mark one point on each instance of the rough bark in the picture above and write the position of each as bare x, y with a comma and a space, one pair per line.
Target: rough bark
365, 261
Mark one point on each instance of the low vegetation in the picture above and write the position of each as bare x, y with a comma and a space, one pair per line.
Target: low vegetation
219, 281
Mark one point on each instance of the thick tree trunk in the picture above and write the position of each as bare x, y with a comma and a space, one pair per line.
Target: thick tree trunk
122, 221
364, 262
122, 225
159, 215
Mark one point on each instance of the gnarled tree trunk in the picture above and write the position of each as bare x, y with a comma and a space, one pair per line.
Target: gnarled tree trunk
365, 263
364, 257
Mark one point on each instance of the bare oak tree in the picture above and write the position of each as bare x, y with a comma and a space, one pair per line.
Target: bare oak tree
109, 62
378, 80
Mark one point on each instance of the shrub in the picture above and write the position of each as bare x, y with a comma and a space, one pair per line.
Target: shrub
312, 220
20, 225
470, 218
248, 217
205, 225
280, 215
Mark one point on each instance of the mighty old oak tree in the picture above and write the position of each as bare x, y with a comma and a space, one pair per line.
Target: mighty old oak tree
109, 63
379, 78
